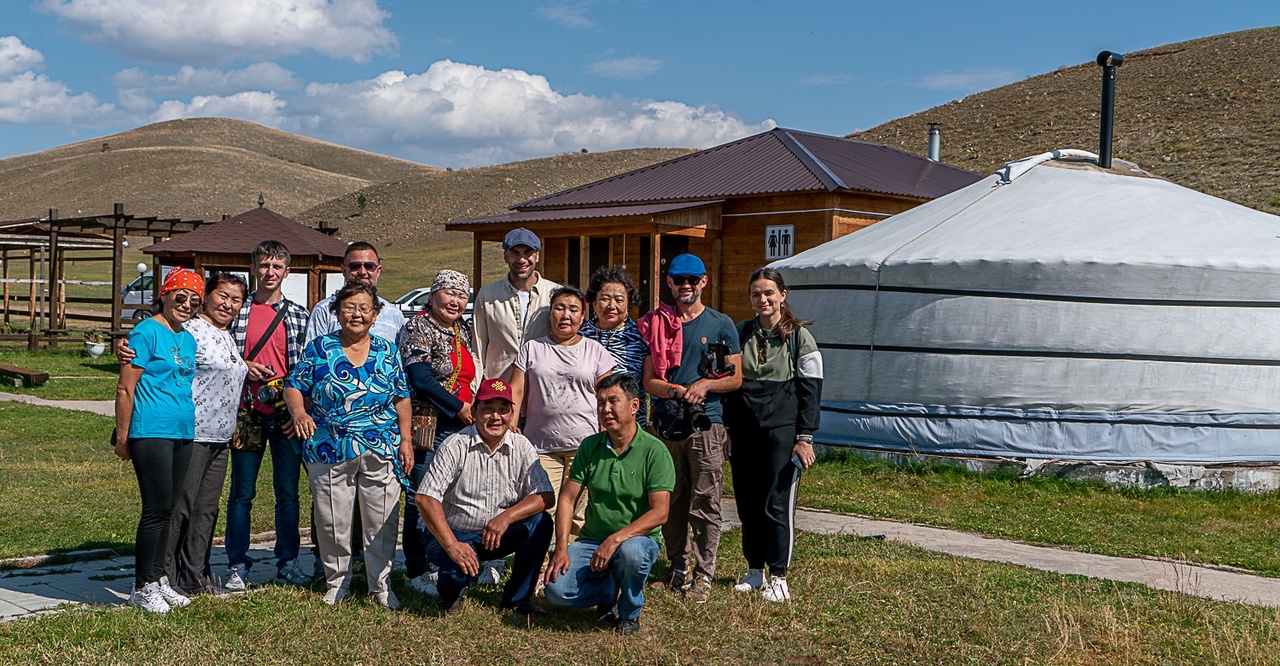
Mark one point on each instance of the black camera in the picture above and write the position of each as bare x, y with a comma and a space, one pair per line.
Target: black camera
677, 419
714, 362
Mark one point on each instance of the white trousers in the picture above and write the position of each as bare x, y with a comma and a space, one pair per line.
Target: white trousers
335, 488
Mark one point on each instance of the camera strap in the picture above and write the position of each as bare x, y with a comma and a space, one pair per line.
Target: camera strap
266, 335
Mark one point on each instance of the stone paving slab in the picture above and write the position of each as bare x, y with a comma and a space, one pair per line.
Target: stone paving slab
102, 407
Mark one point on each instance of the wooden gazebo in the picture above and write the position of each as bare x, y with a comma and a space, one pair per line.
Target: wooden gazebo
226, 245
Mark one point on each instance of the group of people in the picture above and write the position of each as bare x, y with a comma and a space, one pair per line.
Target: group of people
553, 428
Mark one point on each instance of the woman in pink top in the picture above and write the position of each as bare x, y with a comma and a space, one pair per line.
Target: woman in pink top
554, 380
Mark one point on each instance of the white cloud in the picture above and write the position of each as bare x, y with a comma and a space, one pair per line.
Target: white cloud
625, 68
17, 57
970, 80
219, 31
263, 108
462, 115
192, 81
826, 79
27, 98
571, 16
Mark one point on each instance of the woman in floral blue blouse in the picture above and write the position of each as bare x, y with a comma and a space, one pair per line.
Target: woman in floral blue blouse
350, 403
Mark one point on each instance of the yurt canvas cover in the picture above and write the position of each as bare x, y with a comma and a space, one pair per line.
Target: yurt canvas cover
1053, 310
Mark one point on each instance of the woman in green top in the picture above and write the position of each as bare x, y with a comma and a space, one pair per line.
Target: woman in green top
771, 421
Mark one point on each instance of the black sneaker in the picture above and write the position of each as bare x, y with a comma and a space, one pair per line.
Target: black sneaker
607, 615
628, 627
672, 580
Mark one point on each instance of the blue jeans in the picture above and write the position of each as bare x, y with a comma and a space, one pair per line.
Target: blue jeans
527, 539
624, 580
286, 465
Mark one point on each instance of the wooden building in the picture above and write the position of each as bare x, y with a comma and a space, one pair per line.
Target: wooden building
737, 206
226, 245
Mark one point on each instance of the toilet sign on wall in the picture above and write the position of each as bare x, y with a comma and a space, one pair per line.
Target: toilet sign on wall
779, 241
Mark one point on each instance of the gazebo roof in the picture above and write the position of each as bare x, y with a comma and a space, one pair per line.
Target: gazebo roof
239, 235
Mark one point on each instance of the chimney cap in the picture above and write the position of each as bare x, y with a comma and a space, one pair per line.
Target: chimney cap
1109, 59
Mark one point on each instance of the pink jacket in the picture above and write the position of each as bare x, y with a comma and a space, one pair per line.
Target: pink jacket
661, 329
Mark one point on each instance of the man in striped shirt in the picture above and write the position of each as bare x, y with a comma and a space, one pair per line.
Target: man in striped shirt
485, 496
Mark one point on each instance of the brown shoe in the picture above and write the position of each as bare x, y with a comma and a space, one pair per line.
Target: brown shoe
700, 591
673, 580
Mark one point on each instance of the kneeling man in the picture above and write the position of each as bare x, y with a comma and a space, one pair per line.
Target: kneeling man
628, 474
484, 497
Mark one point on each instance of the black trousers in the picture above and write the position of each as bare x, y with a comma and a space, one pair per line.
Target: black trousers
161, 467
764, 488
195, 512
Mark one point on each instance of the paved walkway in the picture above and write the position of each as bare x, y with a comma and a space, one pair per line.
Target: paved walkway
28, 592
103, 407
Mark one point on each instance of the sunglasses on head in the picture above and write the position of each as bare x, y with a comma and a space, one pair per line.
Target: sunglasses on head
368, 266
181, 299
686, 279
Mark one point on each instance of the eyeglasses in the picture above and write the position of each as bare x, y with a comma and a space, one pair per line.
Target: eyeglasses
353, 309
686, 279
368, 266
181, 299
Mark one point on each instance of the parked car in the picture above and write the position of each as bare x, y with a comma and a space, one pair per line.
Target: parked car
413, 302
137, 296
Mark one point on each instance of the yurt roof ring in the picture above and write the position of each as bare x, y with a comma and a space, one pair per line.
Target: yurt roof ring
1016, 168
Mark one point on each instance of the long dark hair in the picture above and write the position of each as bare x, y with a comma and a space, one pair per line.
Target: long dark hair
790, 323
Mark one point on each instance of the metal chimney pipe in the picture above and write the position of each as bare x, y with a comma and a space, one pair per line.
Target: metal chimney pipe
935, 142
1109, 62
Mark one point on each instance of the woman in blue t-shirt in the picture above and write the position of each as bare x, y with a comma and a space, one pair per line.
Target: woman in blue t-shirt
155, 424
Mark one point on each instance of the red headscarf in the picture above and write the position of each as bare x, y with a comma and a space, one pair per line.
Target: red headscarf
181, 278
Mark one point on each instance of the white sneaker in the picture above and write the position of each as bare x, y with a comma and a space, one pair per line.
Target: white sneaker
752, 579
236, 576
149, 599
388, 600
776, 590
491, 572
291, 574
174, 598
425, 584
335, 594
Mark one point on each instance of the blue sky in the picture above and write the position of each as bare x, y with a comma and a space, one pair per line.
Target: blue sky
472, 83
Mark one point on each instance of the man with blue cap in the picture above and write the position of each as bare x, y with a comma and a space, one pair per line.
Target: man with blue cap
694, 351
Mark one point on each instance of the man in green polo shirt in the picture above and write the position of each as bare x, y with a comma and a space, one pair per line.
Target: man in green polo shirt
628, 474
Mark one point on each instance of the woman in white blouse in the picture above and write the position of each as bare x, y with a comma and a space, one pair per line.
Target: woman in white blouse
216, 389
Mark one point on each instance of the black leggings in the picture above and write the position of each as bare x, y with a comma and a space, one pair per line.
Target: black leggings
161, 466
764, 488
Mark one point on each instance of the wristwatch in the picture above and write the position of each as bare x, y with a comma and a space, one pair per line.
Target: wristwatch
671, 392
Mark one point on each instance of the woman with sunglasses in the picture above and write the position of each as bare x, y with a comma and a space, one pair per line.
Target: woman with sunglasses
350, 404
220, 374
771, 421
155, 425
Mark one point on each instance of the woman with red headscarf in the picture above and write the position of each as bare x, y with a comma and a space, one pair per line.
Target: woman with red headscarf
155, 425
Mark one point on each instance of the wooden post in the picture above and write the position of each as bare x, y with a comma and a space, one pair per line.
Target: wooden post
477, 264
32, 341
117, 258
54, 281
655, 271
584, 260
717, 255
156, 276
4, 268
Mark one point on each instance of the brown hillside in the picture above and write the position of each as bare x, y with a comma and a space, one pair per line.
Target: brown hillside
198, 168
1203, 113
410, 211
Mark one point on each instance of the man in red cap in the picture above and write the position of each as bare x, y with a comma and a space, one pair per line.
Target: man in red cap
485, 496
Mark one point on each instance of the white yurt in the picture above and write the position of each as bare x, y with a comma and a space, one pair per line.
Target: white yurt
1053, 310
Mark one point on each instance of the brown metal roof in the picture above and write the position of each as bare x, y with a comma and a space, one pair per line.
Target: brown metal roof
776, 161
239, 235
524, 216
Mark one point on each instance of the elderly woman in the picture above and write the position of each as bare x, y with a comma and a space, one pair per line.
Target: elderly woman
155, 424
350, 404
438, 348
771, 421
220, 374
554, 379
611, 294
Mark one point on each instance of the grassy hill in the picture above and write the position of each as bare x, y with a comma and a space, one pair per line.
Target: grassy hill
1203, 113
412, 211
196, 169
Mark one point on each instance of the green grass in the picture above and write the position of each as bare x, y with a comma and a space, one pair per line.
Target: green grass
72, 374
62, 488
1221, 528
854, 601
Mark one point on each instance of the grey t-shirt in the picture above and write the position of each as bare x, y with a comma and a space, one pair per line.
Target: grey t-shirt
707, 328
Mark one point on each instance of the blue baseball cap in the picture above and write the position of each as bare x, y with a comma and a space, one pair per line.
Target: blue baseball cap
686, 264
521, 236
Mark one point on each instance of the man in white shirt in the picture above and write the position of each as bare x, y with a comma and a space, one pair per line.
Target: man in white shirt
514, 309
361, 264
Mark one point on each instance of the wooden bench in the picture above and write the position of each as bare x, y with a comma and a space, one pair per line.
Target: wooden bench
24, 376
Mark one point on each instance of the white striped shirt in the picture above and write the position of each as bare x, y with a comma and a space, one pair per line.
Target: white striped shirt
475, 484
